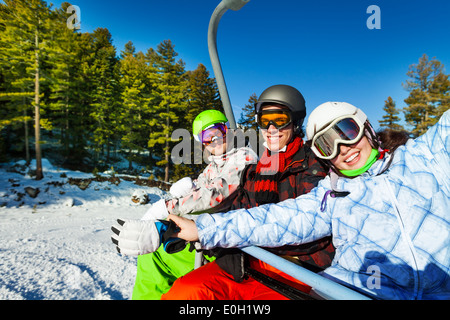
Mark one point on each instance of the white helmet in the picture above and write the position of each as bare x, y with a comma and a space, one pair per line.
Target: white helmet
324, 114
327, 114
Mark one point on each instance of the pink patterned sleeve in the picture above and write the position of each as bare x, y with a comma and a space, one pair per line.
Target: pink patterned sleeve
215, 183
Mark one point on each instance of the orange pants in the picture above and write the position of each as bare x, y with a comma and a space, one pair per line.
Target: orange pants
210, 282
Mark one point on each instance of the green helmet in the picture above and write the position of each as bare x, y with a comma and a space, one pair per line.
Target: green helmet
206, 119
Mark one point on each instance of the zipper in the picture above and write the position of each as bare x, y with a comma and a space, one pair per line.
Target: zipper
396, 207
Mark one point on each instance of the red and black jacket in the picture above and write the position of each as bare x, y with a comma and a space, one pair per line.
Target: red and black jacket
301, 174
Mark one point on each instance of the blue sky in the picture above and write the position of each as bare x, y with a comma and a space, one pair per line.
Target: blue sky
322, 47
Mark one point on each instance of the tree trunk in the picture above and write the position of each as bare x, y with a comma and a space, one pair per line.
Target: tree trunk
37, 117
25, 124
166, 153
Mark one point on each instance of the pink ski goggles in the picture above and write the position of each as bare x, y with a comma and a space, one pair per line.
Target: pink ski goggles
213, 133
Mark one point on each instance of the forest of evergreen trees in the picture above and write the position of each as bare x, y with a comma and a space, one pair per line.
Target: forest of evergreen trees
93, 105
72, 98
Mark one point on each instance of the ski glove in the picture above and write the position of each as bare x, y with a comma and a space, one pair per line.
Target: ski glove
182, 187
158, 211
137, 237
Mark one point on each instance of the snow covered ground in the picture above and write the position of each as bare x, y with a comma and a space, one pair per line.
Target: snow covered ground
57, 245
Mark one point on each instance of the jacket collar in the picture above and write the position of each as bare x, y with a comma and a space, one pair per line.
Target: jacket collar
220, 160
380, 165
376, 169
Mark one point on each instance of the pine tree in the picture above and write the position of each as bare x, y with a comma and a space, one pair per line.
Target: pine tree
169, 98
106, 94
83, 92
27, 25
440, 93
247, 120
429, 91
203, 94
15, 62
391, 119
66, 84
130, 50
16, 87
134, 110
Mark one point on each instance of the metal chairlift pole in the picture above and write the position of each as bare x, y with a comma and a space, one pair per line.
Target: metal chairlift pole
212, 46
217, 68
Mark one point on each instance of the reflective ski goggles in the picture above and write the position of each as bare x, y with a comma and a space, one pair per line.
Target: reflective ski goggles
346, 129
213, 133
278, 118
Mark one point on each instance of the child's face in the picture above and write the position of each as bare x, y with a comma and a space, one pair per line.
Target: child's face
354, 156
219, 144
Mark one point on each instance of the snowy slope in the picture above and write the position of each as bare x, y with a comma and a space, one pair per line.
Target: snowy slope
57, 245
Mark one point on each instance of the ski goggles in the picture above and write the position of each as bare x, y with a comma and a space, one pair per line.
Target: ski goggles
347, 130
213, 133
278, 118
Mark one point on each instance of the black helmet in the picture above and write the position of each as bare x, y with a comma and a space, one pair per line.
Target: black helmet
287, 96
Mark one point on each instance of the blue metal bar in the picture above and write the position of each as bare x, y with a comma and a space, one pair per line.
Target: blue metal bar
324, 287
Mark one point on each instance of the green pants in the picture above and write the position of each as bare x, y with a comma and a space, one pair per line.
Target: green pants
157, 271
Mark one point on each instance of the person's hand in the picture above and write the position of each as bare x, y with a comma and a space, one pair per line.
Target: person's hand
188, 228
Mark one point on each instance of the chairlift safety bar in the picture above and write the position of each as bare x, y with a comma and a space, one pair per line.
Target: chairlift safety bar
324, 287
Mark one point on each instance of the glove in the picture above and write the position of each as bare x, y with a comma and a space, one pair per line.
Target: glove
137, 237
158, 211
182, 187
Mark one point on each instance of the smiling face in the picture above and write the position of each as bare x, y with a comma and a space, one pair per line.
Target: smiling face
218, 146
277, 139
352, 157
